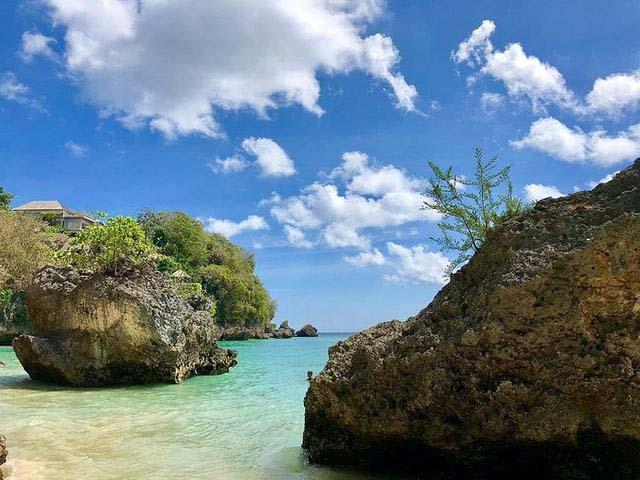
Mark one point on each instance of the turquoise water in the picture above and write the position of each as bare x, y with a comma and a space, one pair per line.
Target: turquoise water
246, 424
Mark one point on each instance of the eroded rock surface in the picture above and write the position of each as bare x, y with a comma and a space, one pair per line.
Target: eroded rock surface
94, 329
307, 331
526, 363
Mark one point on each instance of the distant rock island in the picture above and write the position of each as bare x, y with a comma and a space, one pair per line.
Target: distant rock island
307, 331
97, 329
527, 363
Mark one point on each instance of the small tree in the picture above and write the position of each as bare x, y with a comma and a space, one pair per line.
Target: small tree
470, 208
5, 199
116, 246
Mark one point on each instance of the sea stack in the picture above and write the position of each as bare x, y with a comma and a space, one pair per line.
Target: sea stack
526, 363
307, 331
96, 329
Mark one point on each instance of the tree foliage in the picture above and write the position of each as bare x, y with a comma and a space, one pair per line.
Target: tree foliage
5, 199
114, 247
225, 270
26, 244
470, 208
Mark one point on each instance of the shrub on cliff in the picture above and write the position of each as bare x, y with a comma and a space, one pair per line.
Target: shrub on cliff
116, 246
470, 208
225, 270
26, 244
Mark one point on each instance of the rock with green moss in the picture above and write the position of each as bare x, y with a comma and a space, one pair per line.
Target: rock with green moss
527, 363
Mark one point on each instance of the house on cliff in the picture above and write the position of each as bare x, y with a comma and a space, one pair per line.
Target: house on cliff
53, 211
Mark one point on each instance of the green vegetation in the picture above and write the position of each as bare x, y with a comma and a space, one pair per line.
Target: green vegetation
224, 271
115, 247
470, 208
26, 244
5, 199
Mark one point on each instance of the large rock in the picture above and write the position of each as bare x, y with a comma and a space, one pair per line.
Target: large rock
526, 363
307, 331
93, 329
14, 320
247, 332
284, 331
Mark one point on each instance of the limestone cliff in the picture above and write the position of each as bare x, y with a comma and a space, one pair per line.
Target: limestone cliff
526, 363
96, 329
14, 320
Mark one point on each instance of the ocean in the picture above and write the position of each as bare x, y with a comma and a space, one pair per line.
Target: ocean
246, 424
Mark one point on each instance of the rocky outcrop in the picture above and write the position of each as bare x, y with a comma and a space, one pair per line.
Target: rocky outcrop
307, 331
257, 332
95, 329
14, 320
284, 331
3, 453
526, 363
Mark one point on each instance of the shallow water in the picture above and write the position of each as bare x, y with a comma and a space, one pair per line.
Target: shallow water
246, 424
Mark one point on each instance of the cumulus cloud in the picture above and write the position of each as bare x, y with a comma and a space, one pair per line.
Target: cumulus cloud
477, 46
605, 179
367, 258
297, 237
170, 65
229, 228
76, 149
338, 211
615, 94
232, 164
416, 265
270, 157
554, 138
523, 75
34, 43
536, 191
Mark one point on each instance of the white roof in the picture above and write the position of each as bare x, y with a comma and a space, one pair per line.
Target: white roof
53, 206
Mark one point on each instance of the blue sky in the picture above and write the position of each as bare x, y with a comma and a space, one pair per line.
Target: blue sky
334, 105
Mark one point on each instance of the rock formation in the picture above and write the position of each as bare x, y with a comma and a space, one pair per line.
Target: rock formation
14, 320
284, 331
526, 363
94, 329
3, 453
307, 331
257, 332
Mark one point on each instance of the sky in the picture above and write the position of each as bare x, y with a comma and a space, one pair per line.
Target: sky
302, 130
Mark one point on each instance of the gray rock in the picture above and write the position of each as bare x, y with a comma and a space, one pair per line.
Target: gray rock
307, 331
95, 329
527, 363
284, 331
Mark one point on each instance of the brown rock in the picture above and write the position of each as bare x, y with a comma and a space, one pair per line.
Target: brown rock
307, 331
95, 329
526, 363
3, 453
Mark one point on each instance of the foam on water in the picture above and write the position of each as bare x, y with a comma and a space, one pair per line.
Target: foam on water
246, 424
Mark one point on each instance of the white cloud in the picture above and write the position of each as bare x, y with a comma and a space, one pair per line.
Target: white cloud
491, 101
554, 138
523, 75
76, 149
339, 212
605, 179
34, 43
364, 259
12, 89
270, 157
170, 65
536, 191
474, 49
232, 164
296, 237
615, 94
416, 265
229, 228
